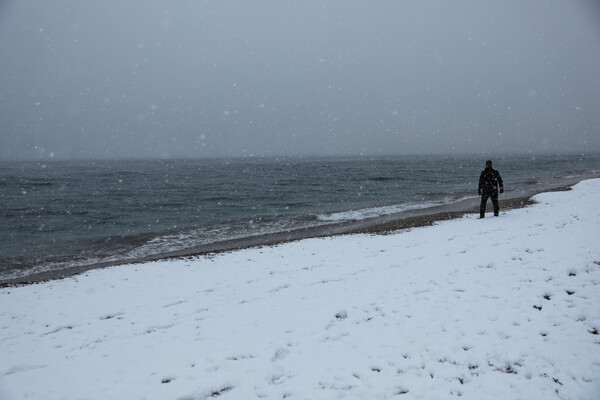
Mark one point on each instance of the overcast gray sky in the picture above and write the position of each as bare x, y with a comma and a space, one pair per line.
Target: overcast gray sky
151, 78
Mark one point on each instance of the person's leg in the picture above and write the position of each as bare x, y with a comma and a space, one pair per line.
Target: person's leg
484, 198
495, 203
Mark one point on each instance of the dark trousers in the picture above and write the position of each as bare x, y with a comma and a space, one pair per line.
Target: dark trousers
484, 199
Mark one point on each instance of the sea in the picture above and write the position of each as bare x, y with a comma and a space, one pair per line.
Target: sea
62, 214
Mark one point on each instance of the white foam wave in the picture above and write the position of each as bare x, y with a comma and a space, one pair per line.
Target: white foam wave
365, 213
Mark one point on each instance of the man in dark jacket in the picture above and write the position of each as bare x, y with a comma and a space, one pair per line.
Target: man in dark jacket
489, 180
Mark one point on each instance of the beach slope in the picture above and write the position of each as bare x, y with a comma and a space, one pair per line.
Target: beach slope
502, 307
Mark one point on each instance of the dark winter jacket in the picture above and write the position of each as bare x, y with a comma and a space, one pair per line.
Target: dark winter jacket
489, 181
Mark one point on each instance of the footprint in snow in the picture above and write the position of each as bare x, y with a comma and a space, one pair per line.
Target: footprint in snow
21, 368
277, 289
153, 329
174, 304
111, 316
279, 378
401, 391
241, 357
60, 328
341, 315
280, 354
215, 393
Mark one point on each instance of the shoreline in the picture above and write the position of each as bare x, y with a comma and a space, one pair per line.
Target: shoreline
422, 313
376, 226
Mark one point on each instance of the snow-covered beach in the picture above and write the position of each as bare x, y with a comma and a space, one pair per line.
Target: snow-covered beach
497, 308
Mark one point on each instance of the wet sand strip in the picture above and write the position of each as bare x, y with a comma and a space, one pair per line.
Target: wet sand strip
378, 225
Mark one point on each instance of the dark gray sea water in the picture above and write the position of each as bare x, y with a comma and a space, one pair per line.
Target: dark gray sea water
61, 214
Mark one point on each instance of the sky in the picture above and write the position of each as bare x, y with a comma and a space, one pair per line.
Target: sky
227, 78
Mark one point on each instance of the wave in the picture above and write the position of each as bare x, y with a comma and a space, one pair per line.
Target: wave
366, 213
10, 181
38, 183
374, 212
382, 179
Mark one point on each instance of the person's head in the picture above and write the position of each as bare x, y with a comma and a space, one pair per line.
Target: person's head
488, 164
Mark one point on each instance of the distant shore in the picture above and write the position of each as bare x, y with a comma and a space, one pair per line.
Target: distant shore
377, 225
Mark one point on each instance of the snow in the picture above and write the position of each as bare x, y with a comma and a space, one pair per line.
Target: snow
482, 309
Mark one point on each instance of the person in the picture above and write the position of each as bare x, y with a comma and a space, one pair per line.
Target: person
489, 180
